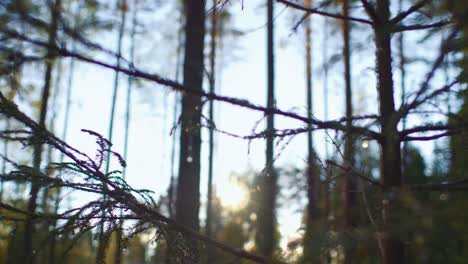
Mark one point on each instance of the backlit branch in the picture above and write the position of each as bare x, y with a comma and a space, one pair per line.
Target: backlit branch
400, 28
323, 13
135, 72
114, 191
401, 16
370, 10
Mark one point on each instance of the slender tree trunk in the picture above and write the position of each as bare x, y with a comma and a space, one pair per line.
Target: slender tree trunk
53, 243
266, 234
103, 241
325, 79
13, 83
310, 250
446, 75
350, 201
391, 173
326, 183
119, 234
47, 225
29, 252
311, 171
172, 183
188, 187
271, 173
171, 192
404, 151
45, 191
5, 156
209, 206
401, 42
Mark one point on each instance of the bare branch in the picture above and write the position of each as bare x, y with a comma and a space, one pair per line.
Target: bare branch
322, 13
428, 128
354, 171
435, 93
405, 108
400, 28
179, 87
370, 10
428, 138
398, 18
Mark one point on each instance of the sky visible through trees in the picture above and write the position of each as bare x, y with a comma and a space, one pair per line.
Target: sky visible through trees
395, 219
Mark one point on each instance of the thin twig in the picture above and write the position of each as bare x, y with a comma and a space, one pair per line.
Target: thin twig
323, 13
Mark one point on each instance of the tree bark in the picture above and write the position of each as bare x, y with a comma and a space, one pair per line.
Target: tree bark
350, 199
266, 218
29, 254
402, 61
326, 183
5, 157
172, 181
391, 174
312, 170
209, 206
188, 188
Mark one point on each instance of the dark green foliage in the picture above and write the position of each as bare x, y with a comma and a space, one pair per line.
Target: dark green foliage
459, 10
459, 143
414, 171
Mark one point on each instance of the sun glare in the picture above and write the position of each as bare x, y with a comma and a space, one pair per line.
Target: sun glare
233, 194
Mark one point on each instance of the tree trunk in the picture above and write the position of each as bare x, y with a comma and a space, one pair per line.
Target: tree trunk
103, 241
29, 254
119, 233
391, 174
404, 151
5, 157
50, 224
188, 187
326, 183
51, 127
310, 250
53, 243
350, 201
172, 182
271, 173
209, 209
174, 123
266, 219
403, 84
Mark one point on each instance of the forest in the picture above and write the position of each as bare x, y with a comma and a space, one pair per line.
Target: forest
233, 131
